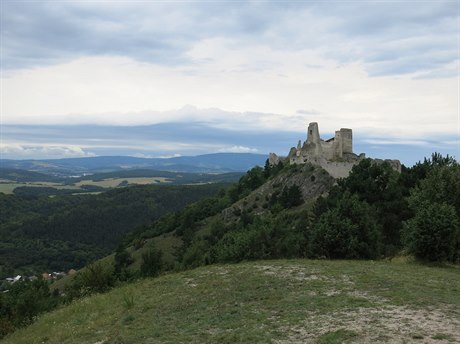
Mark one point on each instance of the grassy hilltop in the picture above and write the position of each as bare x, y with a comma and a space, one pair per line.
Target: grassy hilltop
275, 301
363, 293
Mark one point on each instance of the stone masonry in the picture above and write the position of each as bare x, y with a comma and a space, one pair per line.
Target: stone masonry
335, 155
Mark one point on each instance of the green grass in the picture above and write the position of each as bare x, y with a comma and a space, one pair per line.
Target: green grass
294, 301
443, 336
167, 243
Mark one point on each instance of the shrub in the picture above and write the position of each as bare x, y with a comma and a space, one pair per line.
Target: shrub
95, 278
250, 243
433, 233
152, 263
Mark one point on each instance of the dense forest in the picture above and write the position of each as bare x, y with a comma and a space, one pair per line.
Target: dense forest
42, 233
375, 213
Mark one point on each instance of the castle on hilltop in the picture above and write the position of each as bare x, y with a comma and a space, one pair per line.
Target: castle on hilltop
335, 155
334, 149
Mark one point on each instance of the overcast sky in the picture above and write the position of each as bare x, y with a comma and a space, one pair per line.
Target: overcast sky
387, 69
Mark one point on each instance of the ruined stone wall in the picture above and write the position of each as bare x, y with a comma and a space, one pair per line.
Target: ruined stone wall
334, 155
315, 147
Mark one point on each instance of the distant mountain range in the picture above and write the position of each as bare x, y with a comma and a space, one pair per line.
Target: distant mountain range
208, 163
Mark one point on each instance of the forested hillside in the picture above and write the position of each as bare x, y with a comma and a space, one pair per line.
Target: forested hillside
42, 233
295, 211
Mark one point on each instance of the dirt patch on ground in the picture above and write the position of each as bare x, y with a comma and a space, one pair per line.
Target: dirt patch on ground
382, 322
390, 324
292, 273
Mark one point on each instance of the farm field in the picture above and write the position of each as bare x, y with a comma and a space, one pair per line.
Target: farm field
7, 187
115, 182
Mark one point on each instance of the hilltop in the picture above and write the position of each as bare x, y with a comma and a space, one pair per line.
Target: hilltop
293, 301
291, 211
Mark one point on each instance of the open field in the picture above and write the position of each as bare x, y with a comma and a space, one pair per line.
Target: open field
295, 301
8, 187
114, 182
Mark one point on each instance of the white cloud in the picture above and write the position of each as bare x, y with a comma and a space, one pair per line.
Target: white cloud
142, 155
396, 142
120, 91
42, 152
237, 149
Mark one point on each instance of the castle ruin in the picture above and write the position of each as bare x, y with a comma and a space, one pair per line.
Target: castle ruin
336, 148
335, 155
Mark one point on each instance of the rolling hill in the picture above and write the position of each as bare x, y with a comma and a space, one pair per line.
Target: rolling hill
208, 163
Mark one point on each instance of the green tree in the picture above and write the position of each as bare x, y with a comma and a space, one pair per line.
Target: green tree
122, 260
380, 186
254, 178
433, 233
348, 231
291, 196
23, 302
441, 185
251, 242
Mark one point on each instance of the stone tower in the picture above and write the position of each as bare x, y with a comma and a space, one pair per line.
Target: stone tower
313, 138
347, 140
342, 143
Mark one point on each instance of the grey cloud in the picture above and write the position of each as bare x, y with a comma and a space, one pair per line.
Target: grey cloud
43, 32
413, 35
173, 134
377, 33
38, 33
399, 37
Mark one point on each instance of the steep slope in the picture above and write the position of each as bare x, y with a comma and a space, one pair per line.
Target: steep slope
187, 237
312, 182
295, 301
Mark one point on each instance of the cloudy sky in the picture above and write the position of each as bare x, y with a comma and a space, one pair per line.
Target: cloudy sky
162, 78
